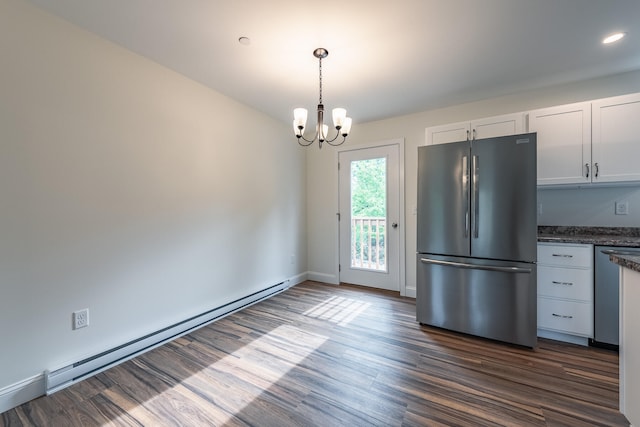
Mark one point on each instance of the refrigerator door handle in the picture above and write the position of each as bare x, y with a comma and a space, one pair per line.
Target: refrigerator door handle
476, 197
465, 187
475, 266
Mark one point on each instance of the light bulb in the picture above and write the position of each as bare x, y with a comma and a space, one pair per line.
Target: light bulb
300, 117
322, 135
339, 114
346, 127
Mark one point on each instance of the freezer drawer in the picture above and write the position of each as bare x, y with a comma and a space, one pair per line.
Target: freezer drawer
491, 299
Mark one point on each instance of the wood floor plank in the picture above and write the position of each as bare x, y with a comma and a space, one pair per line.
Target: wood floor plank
324, 355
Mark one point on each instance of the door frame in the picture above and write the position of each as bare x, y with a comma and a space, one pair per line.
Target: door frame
401, 208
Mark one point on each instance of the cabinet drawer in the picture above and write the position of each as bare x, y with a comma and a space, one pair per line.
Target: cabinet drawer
578, 256
570, 317
568, 283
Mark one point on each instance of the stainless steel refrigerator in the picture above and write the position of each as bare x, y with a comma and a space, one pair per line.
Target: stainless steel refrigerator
477, 238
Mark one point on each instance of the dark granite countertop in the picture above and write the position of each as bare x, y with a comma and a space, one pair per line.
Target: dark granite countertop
604, 236
631, 262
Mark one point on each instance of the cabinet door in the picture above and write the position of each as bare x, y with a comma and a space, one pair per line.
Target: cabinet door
491, 127
565, 255
565, 283
616, 139
570, 317
452, 132
564, 143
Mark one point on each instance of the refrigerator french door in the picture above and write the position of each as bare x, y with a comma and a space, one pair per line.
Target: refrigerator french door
477, 238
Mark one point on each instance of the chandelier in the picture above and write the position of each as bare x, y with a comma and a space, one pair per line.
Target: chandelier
341, 122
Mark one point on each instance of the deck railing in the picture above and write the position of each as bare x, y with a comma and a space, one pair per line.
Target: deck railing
368, 243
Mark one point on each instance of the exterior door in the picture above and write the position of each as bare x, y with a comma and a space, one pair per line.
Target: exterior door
369, 203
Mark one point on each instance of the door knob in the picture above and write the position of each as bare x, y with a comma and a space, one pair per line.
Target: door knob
394, 225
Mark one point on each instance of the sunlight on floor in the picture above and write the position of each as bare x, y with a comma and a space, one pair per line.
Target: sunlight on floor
338, 310
252, 363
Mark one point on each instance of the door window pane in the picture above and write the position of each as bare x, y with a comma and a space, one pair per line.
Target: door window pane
369, 214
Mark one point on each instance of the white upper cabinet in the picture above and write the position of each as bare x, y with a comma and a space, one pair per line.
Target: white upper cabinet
594, 142
451, 132
509, 124
491, 127
616, 139
589, 142
564, 143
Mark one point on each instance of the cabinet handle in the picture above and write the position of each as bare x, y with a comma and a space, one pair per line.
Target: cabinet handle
562, 283
561, 316
562, 255
474, 134
597, 169
586, 165
468, 136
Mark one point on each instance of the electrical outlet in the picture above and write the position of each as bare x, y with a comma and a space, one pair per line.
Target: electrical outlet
622, 207
81, 318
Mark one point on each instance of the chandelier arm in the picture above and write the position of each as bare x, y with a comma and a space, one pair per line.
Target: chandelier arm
309, 141
305, 145
334, 138
344, 138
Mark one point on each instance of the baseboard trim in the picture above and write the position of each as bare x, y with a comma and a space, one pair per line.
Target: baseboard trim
21, 392
323, 277
298, 278
65, 376
410, 292
559, 336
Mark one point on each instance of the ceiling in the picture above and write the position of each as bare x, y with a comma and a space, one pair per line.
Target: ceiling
386, 58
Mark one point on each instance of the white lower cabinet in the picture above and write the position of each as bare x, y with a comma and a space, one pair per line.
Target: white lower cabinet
565, 292
570, 317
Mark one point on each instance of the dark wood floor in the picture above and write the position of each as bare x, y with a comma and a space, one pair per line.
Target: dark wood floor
321, 355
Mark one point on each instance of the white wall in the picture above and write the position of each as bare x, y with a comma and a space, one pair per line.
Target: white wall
130, 190
560, 207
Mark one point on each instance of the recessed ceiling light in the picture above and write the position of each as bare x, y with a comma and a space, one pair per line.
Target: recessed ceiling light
613, 38
246, 41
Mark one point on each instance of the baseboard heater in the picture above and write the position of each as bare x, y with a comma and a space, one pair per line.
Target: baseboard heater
60, 378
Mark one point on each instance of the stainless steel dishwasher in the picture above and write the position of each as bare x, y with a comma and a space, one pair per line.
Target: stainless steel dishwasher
607, 296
